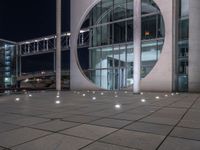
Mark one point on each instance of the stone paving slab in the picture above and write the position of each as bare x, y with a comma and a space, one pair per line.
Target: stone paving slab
19, 136
113, 123
89, 131
150, 128
104, 146
55, 125
54, 142
126, 122
134, 139
188, 133
179, 144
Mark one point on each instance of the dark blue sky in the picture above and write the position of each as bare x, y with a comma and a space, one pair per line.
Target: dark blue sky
26, 19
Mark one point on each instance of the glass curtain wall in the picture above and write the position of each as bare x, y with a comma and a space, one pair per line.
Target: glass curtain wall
7, 64
183, 46
111, 42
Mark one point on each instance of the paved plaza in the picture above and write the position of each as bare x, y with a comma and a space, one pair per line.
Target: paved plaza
96, 120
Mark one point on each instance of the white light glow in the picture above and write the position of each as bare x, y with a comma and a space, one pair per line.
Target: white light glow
141, 93
157, 97
57, 102
116, 96
94, 98
117, 106
102, 93
17, 99
166, 95
27, 80
30, 95
82, 31
84, 95
143, 100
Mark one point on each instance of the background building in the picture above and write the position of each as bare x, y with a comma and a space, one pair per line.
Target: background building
7, 64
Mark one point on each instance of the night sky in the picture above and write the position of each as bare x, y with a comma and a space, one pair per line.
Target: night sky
26, 19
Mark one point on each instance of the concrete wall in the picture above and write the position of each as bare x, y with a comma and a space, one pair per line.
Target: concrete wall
194, 46
159, 79
79, 10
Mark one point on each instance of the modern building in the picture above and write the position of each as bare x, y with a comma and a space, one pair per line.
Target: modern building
98, 53
170, 45
7, 64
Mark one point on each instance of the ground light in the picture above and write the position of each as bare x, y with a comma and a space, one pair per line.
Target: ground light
17, 99
30, 95
157, 97
84, 95
117, 106
57, 102
143, 100
94, 98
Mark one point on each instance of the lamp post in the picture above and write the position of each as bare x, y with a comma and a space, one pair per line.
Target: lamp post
137, 5
58, 45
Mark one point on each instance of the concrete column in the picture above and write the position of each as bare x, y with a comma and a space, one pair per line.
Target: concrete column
194, 46
58, 45
137, 45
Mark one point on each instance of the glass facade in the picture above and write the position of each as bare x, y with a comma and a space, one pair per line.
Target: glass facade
183, 46
7, 64
111, 42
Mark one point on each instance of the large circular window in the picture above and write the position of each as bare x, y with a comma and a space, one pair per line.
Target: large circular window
108, 31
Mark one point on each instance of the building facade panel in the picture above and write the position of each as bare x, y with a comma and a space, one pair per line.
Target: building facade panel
160, 78
79, 11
